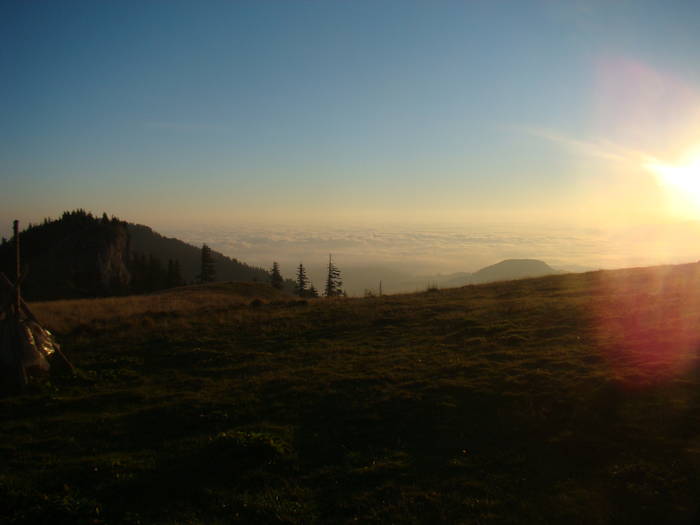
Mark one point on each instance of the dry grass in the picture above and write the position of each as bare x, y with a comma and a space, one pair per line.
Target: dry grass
65, 316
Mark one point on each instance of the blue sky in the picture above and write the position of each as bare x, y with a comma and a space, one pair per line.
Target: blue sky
174, 113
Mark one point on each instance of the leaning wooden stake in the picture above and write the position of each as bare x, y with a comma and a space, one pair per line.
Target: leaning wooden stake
18, 272
21, 372
23, 305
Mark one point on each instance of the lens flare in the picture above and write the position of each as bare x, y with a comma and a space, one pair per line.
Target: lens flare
682, 181
647, 323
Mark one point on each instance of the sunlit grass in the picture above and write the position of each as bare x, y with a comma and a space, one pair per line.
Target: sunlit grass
183, 302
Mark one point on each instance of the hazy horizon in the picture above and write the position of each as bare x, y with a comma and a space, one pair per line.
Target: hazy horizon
400, 255
409, 257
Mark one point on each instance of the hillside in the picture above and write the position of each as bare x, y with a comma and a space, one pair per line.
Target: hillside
194, 300
80, 255
563, 399
77, 255
144, 240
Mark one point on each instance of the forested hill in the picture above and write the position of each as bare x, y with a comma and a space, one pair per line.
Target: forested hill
80, 255
77, 255
144, 240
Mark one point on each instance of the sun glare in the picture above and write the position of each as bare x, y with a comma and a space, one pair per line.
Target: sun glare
682, 181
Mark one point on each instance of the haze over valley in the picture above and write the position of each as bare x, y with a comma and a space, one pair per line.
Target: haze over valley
409, 258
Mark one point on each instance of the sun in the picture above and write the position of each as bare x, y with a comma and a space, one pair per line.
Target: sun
682, 181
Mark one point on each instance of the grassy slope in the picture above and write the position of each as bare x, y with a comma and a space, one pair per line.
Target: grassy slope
571, 398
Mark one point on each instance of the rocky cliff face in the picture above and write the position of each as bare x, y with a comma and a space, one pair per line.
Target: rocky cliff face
112, 259
95, 259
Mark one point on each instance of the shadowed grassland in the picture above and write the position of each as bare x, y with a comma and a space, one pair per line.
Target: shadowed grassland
564, 399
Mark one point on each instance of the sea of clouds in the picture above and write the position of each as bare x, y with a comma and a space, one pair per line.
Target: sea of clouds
399, 256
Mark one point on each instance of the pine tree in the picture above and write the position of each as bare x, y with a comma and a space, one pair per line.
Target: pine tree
312, 291
169, 279
177, 274
174, 277
138, 268
302, 281
155, 275
333, 282
208, 272
276, 279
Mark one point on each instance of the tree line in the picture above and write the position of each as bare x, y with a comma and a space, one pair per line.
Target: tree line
302, 284
149, 274
303, 287
85, 255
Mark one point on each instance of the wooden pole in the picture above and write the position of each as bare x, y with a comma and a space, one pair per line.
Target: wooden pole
21, 372
18, 296
11, 288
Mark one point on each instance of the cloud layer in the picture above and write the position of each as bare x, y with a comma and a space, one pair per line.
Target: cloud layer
366, 255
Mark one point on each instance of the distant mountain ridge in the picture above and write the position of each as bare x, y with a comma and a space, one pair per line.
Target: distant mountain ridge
506, 270
80, 255
510, 269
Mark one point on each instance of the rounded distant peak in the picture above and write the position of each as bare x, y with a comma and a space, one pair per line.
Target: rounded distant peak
513, 269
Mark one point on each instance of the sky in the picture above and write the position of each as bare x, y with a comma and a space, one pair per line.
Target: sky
374, 115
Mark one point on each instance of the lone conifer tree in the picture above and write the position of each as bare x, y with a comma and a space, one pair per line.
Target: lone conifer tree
171, 273
276, 279
302, 281
208, 272
333, 282
177, 274
174, 276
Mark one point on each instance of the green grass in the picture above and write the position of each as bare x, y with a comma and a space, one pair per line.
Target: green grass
565, 399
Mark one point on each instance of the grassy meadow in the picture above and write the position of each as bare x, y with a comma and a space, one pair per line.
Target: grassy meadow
564, 399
